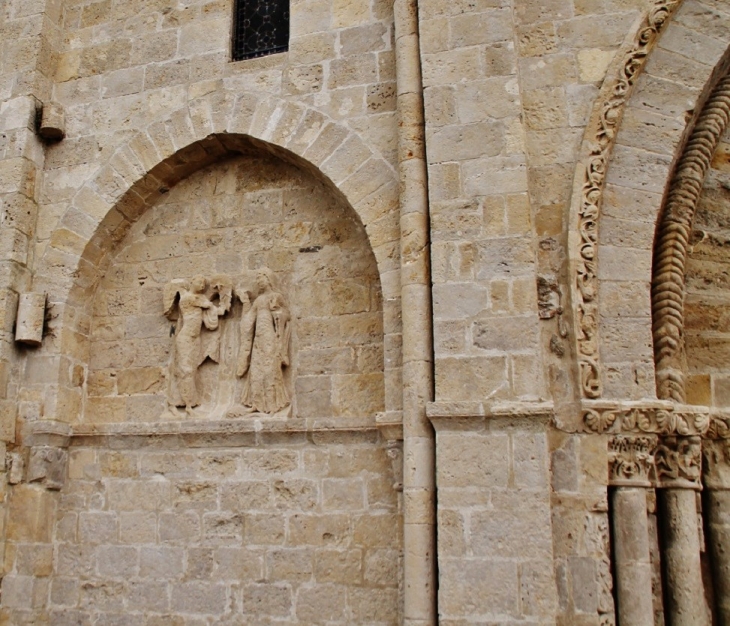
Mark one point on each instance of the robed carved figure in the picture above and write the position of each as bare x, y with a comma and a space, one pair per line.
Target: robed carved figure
196, 312
264, 348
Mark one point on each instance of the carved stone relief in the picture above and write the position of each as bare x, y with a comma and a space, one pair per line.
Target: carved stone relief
188, 322
47, 465
597, 543
15, 467
197, 306
716, 463
668, 462
691, 442
631, 461
262, 348
685, 421
679, 462
550, 306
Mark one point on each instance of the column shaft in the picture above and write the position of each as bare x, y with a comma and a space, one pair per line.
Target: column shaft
685, 602
632, 557
718, 526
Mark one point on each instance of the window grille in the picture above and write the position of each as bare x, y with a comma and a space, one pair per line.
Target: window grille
260, 27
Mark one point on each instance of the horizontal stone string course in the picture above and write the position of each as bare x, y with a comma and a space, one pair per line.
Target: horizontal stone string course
227, 433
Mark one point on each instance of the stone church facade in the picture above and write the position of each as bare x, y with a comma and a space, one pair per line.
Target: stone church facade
424, 319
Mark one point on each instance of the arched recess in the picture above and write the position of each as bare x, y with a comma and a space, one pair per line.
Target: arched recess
673, 242
143, 169
654, 124
689, 303
231, 517
287, 518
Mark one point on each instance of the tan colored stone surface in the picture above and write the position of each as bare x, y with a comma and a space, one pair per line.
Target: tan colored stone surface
155, 181
272, 534
258, 214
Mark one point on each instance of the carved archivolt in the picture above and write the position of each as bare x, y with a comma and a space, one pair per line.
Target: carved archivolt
595, 165
673, 235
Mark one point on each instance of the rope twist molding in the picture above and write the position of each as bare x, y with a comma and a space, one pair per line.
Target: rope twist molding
673, 237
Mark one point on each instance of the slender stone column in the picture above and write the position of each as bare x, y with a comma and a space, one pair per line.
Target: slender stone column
678, 463
632, 558
419, 503
716, 476
630, 461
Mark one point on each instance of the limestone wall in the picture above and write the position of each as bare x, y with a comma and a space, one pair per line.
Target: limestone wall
495, 566
277, 529
508, 87
123, 64
230, 220
551, 133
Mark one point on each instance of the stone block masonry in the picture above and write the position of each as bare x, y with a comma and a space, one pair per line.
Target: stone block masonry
294, 531
362, 332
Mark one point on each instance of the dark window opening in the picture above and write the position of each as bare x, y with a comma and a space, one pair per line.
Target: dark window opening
260, 27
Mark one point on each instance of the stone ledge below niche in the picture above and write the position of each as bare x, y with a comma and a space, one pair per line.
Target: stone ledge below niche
468, 414
46, 433
223, 433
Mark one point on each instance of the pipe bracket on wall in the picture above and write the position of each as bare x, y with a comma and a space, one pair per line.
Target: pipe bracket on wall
30, 318
52, 126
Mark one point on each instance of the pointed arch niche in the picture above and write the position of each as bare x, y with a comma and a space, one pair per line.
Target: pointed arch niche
225, 515
249, 211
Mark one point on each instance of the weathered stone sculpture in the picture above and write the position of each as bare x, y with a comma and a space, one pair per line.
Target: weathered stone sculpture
192, 345
264, 349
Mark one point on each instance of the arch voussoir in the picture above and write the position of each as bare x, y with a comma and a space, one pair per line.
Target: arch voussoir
673, 237
206, 129
641, 123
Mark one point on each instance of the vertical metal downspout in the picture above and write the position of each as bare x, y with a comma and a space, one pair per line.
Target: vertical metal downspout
419, 501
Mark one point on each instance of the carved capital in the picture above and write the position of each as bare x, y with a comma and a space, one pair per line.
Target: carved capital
15, 467
47, 465
716, 458
719, 426
678, 462
630, 461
